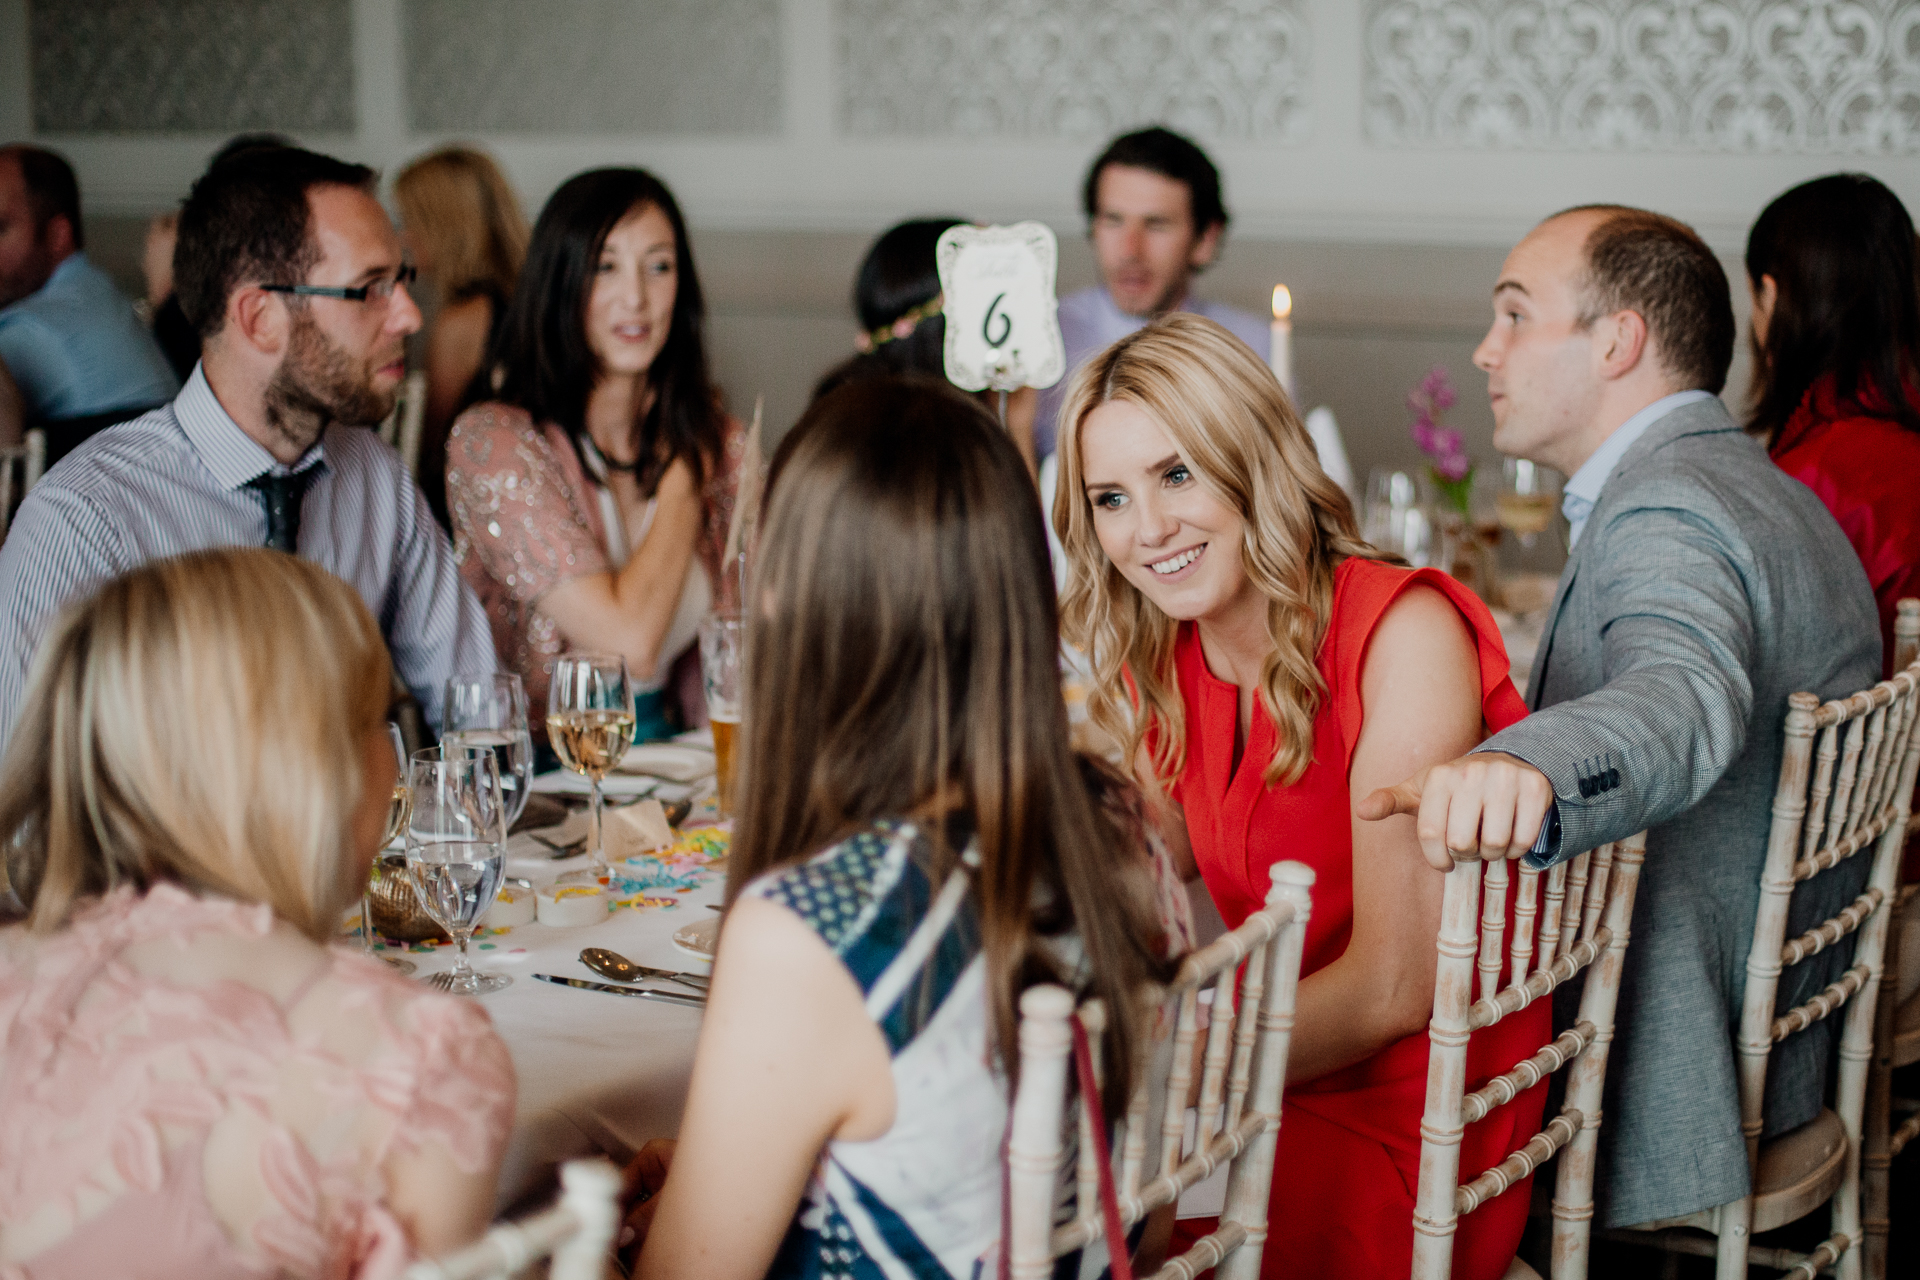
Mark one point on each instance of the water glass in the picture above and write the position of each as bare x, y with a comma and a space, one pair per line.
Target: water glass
398, 806
456, 851
722, 647
590, 724
1395, 519
490, 712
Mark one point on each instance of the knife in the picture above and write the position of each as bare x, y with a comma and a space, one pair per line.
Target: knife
670, 997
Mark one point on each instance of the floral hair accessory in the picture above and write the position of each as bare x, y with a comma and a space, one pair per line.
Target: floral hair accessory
903, 327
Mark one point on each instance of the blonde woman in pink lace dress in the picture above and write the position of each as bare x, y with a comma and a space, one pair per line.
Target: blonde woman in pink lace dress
591, 497
192, 1082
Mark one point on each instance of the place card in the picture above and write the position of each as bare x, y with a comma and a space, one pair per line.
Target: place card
1003, 326
635, 829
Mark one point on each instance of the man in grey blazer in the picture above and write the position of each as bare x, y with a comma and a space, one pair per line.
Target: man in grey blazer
1704, 587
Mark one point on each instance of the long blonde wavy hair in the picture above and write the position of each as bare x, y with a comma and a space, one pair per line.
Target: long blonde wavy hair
1236, 430
457, 200
199, 720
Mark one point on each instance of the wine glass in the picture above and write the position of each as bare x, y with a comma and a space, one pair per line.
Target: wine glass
590, 723
722, 641
456, 851
398, 806
1395, 518
1526, 502
490, 712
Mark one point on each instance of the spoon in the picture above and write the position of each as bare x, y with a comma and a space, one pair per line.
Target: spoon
613, 965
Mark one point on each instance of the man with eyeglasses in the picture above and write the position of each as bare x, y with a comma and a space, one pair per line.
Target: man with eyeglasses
292, 274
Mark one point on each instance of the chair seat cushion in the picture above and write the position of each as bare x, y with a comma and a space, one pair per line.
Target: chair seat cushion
1799, 1171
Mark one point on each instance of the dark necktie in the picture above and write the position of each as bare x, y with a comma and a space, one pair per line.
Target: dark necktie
281, 496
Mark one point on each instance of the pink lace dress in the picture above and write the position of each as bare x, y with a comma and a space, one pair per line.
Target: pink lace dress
526, 518
190, 1088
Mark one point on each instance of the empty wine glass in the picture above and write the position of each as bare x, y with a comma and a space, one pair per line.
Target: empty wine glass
490, 712
1527, 499
398, 807
456, 851
1395, 519
590, 724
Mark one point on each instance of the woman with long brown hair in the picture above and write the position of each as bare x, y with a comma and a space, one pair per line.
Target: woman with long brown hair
1836, 360
193, 1082
1265, 666
916, 844
463, 225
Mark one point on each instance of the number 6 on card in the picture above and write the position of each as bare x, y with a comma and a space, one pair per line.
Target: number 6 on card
1002, 328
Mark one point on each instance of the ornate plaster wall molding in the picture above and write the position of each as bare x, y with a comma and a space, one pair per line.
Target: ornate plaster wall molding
1222, 69
191, 66
1646, 75
593, 66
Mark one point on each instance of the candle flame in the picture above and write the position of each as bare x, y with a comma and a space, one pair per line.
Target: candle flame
1282, 302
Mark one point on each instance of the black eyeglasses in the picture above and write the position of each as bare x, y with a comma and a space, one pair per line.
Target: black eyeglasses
381, 290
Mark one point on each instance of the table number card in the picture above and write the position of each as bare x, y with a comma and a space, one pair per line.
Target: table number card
1002, 328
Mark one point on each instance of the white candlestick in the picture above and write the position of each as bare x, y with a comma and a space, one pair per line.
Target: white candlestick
1280, 349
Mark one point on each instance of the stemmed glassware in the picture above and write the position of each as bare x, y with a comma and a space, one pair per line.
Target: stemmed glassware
590, 724
1526, 502
456, 851
398, 806
1395, 518
490, 712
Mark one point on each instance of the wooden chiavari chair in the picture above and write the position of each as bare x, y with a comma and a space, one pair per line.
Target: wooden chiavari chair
1242, 1074
1850, 794
1582, 924
1896, 1039
26, 460
577, 1233
405, 426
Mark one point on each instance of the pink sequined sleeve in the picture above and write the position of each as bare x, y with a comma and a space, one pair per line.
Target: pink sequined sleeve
515, 516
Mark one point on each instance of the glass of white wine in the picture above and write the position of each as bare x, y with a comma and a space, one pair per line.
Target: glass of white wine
398, 807
456, 851
490, 711
1527, 499
590, 725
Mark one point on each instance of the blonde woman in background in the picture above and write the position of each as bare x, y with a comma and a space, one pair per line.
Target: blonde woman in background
463, 225
1280, 667
193, 796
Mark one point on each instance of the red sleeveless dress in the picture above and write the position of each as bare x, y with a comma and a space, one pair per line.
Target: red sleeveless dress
1348, 1161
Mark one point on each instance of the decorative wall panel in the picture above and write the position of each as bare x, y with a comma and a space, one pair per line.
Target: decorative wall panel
1222, 69
135, 66
593, 66
1706, 75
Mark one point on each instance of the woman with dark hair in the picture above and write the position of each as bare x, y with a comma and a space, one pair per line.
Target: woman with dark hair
1836, 347
903, 328
916, 844
590, 498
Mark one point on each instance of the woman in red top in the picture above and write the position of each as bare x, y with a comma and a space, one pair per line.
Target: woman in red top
1836, 337
1282, 667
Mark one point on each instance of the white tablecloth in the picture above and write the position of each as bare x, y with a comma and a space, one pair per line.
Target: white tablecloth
598, 1072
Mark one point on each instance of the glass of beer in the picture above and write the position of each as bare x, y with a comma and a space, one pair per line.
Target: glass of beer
722, 642
590, 725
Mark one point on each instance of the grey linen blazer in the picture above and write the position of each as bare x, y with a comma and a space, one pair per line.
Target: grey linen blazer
1707, 586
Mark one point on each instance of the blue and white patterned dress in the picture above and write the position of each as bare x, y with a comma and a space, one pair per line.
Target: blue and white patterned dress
921, 1202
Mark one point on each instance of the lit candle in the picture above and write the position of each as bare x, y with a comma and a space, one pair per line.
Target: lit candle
1280, 350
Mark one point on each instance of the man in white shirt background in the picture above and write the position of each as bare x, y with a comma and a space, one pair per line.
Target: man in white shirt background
1156, 219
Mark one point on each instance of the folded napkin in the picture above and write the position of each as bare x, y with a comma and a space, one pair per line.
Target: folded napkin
672, 761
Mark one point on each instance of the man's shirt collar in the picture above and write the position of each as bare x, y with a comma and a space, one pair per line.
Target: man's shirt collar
233, 456
1583, 486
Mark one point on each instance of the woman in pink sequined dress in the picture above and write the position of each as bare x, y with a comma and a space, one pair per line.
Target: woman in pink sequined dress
192, 1083
591, 494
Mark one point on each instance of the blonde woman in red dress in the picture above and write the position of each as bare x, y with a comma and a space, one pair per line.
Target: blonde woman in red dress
1265, 667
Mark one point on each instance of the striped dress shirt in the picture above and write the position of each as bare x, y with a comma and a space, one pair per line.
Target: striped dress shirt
175, 480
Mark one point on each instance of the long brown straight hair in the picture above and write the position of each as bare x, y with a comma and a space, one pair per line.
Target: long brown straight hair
902, 657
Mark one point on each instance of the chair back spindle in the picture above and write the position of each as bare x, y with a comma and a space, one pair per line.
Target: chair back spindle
1584, 926
1252, 975
577, 1233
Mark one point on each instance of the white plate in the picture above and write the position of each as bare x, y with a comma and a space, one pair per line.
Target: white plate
699, 938
668, 760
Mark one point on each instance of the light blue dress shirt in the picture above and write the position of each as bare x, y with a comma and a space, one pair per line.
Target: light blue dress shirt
76, 348
1090, 322
1584, 486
